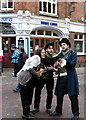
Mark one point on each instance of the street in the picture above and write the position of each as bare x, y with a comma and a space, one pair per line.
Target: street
11, 103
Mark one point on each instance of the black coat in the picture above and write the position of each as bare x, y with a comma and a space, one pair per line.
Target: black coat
22, 59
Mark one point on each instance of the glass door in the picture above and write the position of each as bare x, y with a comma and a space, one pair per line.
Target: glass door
7, 43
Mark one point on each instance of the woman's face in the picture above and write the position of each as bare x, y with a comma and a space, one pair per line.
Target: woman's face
43, 53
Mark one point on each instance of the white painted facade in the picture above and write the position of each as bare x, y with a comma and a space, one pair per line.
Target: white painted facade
23, 24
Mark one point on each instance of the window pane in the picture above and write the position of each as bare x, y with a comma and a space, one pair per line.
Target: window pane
31, 47
10, 3
57, 47
33, 32
49, 7
40, 32
47, 41
20, 43
36, 44
44, 6
76, 36
40, 6
4, 3
80, 36
78, 46
36, 41
48, 33
42, 42
53, 8
54, 34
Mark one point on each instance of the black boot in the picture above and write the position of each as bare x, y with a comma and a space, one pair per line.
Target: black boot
26, 111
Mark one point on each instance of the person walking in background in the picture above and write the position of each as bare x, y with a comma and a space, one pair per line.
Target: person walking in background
15, 59
46, 80
67, 82
22, 58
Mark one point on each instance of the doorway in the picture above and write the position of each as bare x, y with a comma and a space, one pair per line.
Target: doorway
7, 43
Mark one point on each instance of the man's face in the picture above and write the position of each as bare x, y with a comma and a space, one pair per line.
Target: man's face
64, 46
50, 50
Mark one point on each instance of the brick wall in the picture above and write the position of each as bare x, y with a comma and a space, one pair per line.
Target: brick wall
79, 12
62, 9
33, 7
81, 61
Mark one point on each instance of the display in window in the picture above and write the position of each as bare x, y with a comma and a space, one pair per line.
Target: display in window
21, 43
78, 46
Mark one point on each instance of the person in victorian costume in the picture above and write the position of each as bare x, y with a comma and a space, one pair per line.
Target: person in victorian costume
67, 81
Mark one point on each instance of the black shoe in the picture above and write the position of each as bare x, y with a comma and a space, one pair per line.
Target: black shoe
34, 111
25, 117
16, 90
55, 113
75, 118
48, 111
14, 75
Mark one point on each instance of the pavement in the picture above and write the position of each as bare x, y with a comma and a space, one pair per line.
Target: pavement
10, 104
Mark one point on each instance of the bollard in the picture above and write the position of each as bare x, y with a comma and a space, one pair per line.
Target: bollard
0, 67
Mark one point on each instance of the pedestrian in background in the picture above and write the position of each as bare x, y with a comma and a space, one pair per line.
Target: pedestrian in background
67, 82
22, 58
15, 59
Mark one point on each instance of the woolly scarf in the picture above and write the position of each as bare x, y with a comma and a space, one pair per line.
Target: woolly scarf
50, 56
65, 55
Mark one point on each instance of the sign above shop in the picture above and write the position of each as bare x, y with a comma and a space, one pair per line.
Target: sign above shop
49, 23
6, 20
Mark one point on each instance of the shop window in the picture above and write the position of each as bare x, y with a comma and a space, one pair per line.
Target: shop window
36, 44
20, 43
48, 33
54, 34
42, 42
40, 32
78, 46
5, 46
33, 32
57, 48
48, 7
47, 41
7, 4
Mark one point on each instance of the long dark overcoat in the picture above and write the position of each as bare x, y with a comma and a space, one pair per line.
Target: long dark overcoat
73, 87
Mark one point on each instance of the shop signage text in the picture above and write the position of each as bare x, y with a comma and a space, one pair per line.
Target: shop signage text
6, 20
49, 23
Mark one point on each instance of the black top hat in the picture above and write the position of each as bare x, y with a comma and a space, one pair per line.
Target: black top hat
49, 44
65, 40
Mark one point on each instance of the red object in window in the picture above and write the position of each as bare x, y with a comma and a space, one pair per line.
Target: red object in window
1, 58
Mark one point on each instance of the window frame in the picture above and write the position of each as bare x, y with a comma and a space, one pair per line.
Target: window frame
82, 40
7, 5
47, 8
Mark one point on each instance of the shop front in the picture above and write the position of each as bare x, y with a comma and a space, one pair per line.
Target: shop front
8, 40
